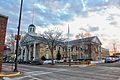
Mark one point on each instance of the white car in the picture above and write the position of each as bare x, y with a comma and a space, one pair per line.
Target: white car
48, 62
60, 61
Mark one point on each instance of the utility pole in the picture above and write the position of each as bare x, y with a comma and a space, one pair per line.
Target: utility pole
17, 37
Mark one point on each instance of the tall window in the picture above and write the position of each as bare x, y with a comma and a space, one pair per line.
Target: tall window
33, 29
71, 48
30, 29
59, 48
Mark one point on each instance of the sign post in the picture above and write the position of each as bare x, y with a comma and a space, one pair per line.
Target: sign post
3, 24
17, 37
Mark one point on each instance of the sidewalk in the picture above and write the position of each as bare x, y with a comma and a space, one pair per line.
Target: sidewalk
8, 72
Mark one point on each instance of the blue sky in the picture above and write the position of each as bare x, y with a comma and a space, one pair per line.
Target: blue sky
99, 17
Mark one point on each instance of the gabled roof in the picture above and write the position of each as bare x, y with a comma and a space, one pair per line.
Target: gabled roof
32, 38
26, 39
88, 39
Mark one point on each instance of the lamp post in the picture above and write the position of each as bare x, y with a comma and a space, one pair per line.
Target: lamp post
18, 37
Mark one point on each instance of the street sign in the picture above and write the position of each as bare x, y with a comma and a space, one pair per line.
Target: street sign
3, 24
17, 37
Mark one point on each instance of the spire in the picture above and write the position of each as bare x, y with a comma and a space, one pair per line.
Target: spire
33, 13
31, 27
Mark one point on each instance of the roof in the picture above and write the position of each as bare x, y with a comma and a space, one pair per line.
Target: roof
3, 16
31, 38
88, 39
31, 25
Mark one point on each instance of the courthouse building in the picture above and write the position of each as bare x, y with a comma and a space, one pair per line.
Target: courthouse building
34, 49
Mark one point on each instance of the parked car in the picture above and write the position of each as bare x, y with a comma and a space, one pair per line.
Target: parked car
49, 61
37, 62
111, 59
116, 58
20, 61
60, 61
28, 62
11, 61
108, 59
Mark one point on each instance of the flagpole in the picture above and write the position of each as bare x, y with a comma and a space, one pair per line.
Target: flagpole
69, 45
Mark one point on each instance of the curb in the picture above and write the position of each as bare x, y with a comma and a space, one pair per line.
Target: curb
92, 65
10, 75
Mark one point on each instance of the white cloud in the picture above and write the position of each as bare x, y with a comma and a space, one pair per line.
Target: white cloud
99, 14
109, 32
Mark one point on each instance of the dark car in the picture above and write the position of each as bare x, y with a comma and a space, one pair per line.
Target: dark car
37, 62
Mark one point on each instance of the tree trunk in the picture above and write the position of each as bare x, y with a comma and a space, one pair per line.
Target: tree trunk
52, 57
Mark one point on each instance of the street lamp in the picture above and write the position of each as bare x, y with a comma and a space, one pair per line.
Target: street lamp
17, 37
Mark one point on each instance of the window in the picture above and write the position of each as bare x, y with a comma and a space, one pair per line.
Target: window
76, 48
33, 30
71, 48
63, 49
30, 29
59, 48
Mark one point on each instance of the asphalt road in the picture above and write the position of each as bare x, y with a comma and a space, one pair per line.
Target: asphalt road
42, 72
114, 64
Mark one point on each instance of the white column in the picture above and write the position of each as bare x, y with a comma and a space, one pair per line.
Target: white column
47, 50
21, 55
99, 50
29, 54
25, 55
34, 51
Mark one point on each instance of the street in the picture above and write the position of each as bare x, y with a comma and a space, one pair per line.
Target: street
41, 72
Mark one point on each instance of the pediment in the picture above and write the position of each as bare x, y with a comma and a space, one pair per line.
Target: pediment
26, 39
96, 40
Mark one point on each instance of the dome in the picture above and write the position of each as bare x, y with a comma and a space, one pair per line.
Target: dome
31, 25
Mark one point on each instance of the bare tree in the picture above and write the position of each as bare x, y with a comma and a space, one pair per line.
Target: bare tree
114, 47
52, 37
83, 35
10, 41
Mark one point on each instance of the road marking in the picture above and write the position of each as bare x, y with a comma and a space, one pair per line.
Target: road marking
40, 67
35, 79
36, 73
6, 78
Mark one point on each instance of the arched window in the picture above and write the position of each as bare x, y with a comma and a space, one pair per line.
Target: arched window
30, 29
33, 29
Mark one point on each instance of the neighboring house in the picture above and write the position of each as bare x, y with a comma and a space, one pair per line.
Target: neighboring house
117, 55
8, 55
104, 52
34, 49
